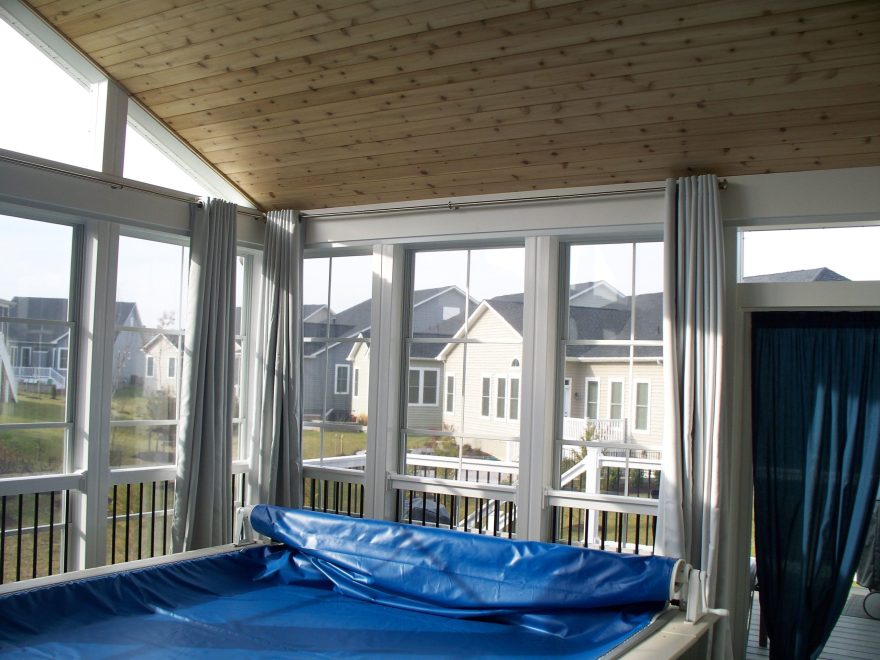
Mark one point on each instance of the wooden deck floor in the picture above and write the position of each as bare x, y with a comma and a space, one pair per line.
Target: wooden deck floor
853, 638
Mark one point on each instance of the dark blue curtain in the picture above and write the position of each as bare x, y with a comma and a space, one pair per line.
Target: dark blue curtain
816, 444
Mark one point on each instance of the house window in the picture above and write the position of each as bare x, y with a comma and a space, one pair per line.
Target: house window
615, 409
486, 397
341, 381
514, 399
26, 356
423, 386
172, 367
450, 393
501, 398
337, 310
591, 399
643, 405
151, 367
61, 362
514, 364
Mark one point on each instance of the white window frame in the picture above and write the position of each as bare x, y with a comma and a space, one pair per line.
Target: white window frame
511, 398
449, 394
336, 368
421, 402
587, 381
635, 426
150, 367
66, 353
171, 366
355, 383
500, 398
611, 403
26, 356
486, 397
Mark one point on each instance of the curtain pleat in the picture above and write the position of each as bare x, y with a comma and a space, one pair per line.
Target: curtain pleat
690, 490
281, 360
202, 512
816, 447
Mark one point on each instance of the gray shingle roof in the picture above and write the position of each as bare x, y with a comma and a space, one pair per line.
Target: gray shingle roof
808, 275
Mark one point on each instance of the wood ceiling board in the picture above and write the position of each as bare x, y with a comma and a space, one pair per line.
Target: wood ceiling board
323, 148
356, 101
465, 64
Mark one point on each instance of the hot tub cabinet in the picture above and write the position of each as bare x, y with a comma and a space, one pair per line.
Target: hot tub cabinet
331, 586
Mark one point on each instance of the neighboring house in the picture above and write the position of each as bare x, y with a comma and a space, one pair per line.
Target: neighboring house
161, 364
615, 402
129, 361
344, 367
38, 352
810, 275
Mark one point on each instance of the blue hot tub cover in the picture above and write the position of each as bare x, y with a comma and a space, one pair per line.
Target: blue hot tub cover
348, 588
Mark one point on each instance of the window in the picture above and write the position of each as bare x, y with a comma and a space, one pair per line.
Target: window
423, 388
151, 291
337, 308
486, 396
612, 331
615, 409
341, 386
463, 331
513, 413
501, 398
643, 405
811, 255
155, 156
55, 106
591, 399
244, 294
35, 283
61, 362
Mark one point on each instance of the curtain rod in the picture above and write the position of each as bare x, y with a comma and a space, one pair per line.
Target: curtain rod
455, 206
119, 185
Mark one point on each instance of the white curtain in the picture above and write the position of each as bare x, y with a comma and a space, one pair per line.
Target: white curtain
690, 490
202, 495
280, 416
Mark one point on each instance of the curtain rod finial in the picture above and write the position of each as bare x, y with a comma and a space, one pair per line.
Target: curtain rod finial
722, 184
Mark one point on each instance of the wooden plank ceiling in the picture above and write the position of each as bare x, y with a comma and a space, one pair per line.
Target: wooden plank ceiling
309, 104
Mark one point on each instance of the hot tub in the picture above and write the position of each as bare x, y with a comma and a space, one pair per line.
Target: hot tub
333, 587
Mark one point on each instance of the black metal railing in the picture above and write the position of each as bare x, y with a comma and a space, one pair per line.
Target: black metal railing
333, 496
478, 515
606, 530
139, 517
34, 535
139, 520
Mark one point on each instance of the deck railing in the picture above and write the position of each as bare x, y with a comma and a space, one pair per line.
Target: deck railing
36, 523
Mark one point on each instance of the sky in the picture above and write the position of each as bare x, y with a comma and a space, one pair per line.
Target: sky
54, 117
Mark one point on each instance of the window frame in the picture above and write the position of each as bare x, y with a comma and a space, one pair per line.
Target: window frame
592, 380
150, 366
171, 367
611, 383
635, 425
421, 387
486, 397
347, 368
449, 395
